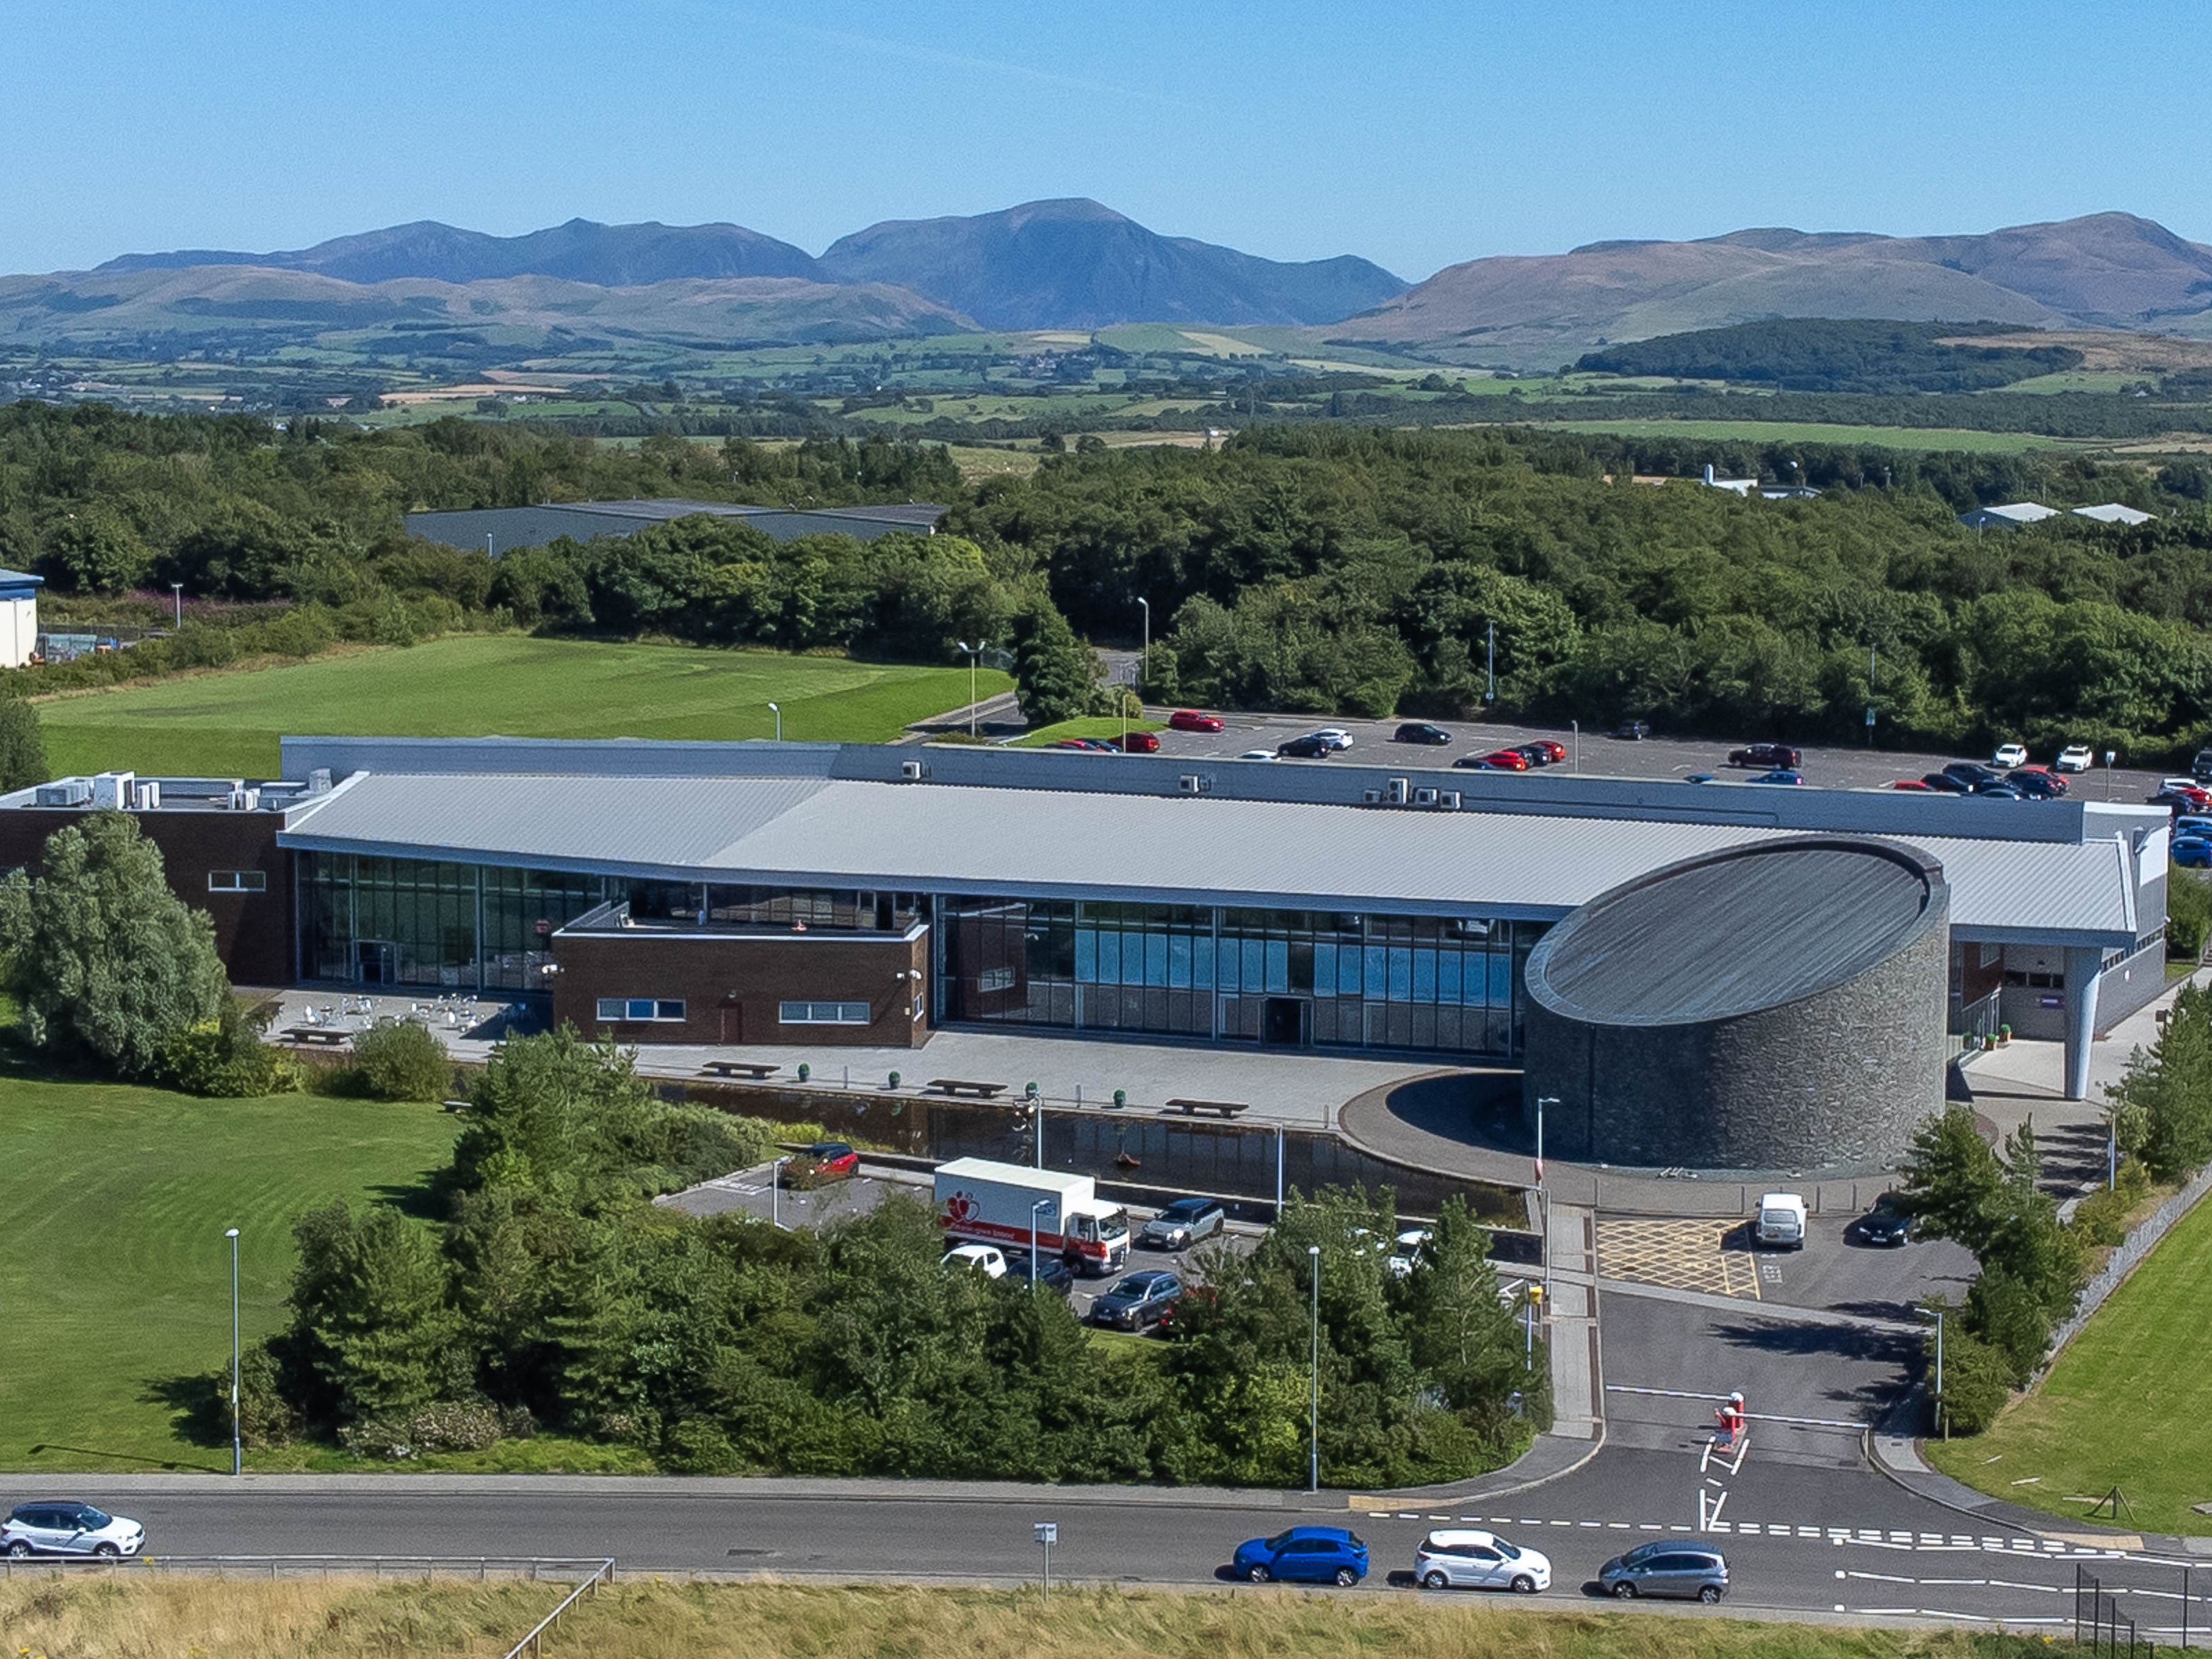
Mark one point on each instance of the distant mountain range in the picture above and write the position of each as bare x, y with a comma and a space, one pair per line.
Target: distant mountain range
1075, 265
2108, 270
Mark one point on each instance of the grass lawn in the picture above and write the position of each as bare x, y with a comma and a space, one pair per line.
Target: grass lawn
133, 1188
227, 724
1101, 725
356, 1618
2128, 1405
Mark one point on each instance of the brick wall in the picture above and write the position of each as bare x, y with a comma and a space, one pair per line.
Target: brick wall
732, 986
253, 931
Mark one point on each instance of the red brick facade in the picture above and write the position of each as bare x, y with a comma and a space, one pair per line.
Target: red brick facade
733, 986
252, 930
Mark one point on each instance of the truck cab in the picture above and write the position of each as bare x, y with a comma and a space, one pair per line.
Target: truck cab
1098, 1238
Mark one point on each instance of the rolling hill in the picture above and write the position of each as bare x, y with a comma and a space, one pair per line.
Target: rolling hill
1076, 264
2108, 270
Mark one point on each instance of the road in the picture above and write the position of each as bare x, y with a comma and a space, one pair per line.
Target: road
1661, 756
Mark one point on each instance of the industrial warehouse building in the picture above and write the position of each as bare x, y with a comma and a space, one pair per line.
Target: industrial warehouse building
757, 893
499, 529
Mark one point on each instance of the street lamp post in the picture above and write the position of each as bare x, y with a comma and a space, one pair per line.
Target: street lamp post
178, 589
775, 1193
1036, 1210
1145, 659
1576, 727
237, 1446
1313, 1409
776, 711
2109, 756
1543, 1192
974, 652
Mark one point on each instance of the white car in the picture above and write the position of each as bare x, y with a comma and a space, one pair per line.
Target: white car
2008, 756
65, 1527
1479, 1560
985, 1259
1406, 1251
2074, 757
1334, 736
1257, 754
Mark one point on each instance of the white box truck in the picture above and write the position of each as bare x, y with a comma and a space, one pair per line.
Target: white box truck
981, 1202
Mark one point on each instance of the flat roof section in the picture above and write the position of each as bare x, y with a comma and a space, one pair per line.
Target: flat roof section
1756, 927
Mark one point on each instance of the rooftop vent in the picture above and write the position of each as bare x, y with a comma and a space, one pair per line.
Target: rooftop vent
111, 791
64, 792
1425, 798
1395, 792
1192, 783
913, 771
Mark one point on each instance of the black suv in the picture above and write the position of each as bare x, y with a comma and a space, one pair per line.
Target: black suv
1775, 756
1051, 1270
1420, 731
1141, 1301
1307, 748
1975, 775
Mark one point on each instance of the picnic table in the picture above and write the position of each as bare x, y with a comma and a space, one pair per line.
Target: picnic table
328, 1035
953, 1085
754, 1069
1193, 1108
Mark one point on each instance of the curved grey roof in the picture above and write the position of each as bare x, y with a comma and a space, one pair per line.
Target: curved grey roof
1731, 932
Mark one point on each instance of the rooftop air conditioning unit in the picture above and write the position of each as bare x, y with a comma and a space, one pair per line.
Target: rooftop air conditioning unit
1370, 797
145, 797
1425, 798
1448, 801
1395, 791
111, 790
245, 800
1191, 783
319, 781
67, 791
912, 771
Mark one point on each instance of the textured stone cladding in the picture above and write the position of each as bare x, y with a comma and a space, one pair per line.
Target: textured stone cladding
1841, 1076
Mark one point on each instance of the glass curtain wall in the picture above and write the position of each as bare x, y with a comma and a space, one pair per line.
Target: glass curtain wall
1280, 977
415, 922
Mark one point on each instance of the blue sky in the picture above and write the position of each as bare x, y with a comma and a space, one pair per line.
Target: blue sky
1417, 134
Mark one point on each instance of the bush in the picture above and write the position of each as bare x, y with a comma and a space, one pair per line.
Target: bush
2188, 914
1977, 1383
2102, 1217
225, 1058
265, 1417
400, 1061
458, 1426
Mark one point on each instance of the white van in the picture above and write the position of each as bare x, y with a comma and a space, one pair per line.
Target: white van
1781, 1223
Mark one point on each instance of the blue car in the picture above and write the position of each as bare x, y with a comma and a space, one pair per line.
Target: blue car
1304, 1555
2192, 852
2188, 824
1780, 774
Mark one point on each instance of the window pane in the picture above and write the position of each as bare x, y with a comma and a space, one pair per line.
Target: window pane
1447, 976
1501, 979
1324, 969
1278, 965
612, 1008
1156, 959
1179, 960
1402, 974
1202, 961
1110, 958
1086, 956
1424, 975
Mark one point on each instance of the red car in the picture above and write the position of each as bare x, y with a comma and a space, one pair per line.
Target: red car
825, 1160
1501, 760
1910, 783
1190, 719
1544, 751
1141, 743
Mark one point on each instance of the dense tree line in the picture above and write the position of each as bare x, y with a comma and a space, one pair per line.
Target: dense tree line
554, 1294
1827, 354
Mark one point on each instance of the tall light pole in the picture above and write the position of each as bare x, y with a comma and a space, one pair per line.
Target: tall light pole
1543, 1193
1489, 676
974, 651
1145, 661
775, 1193
178, 589
1313, 1409
1036, 1210
778, 713
237, 1446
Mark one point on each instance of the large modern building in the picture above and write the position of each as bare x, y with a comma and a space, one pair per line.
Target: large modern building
499, 529
746, 893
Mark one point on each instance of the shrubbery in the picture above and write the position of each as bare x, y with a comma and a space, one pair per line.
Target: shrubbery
226, 1058
2161, 1110
399, 1060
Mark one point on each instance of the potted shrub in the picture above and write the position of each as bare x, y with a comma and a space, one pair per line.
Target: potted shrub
894, 1079
1120, 1098
804, 1071
2004, 1035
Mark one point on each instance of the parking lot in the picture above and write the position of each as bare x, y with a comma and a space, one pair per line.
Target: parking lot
1598, 756
1713, 1256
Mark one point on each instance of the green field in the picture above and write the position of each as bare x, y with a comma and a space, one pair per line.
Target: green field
1093, 725
2128, 1404
227, 724
1813, 432
120, 1289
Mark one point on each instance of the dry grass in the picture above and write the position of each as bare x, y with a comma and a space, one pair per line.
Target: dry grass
130, 1616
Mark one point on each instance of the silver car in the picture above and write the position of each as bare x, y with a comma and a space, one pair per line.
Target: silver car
1687, 1570
65, 1526
1183, 1224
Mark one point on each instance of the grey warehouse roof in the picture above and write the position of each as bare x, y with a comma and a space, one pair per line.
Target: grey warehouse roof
1765, 926
1110, 844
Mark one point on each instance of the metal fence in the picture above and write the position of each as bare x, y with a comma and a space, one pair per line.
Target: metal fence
2098, 1624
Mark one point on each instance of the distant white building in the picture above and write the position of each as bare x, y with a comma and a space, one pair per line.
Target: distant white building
2011, 516
19, 617
1735, 486
2114, 512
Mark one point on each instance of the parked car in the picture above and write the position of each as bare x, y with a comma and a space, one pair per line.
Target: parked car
824, 1161
1183, 1224
1052, 1270
2035, 784
1973, 773
1544, 752
1769, 755
1944, 783
1140, 743
2074, 757
1504, 760
2000, 789
1334, 736
65, 1527
1912, 783
1259, 754
2037, 771
2184, 786
1479, 1560
2200, 766
1407, 1252
1701, 777
2008, 756
2191, 823
1779, 1224
1305, 748
1140, 1301
2192, 852
1303, 1555
1420, 731
1685, 1568
1886, 1226
2175, 801
1192, 720
988, 1260
1631, 731
1780, 774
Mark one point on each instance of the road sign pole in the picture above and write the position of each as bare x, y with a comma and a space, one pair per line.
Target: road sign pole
1047, 1534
